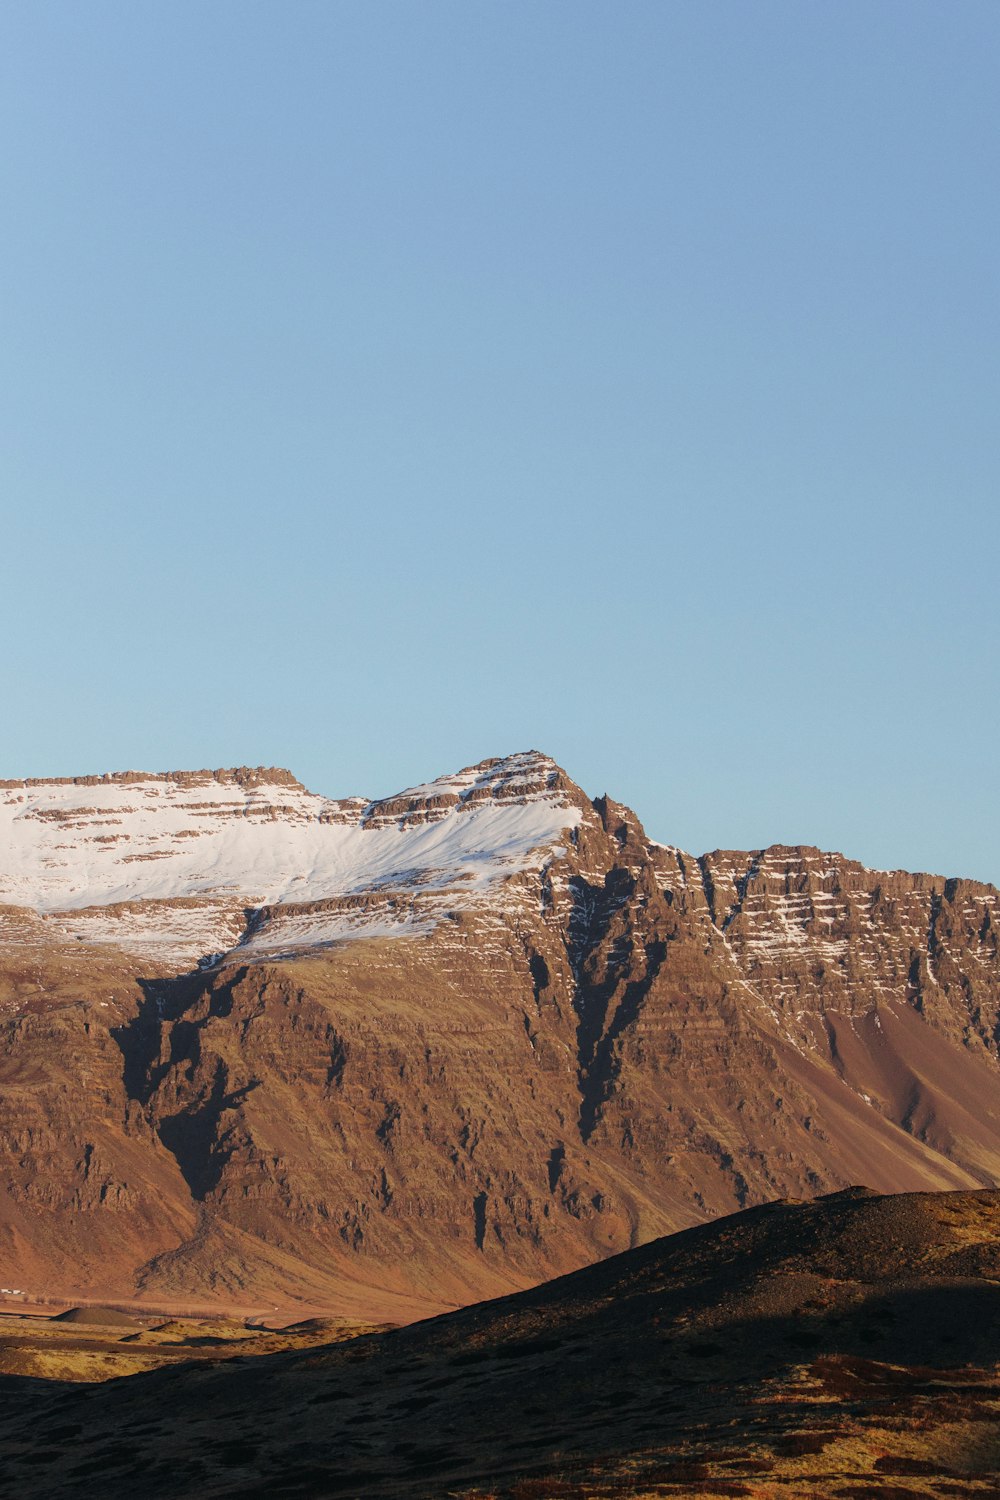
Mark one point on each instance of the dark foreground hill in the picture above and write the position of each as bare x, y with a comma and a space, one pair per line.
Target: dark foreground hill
844, 1347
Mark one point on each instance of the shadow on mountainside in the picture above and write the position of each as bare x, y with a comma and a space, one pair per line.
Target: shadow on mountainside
163, 1035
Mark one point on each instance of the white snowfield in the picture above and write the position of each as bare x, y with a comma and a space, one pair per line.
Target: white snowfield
171, 864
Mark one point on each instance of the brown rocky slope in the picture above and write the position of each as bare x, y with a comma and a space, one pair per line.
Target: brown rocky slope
386, 1095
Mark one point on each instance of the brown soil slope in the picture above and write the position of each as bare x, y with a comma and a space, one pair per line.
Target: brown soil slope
845, 1347
611, 1042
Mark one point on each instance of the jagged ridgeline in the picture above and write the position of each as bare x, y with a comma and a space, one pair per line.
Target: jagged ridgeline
263, 1047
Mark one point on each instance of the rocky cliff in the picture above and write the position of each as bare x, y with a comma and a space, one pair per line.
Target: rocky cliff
258, 1047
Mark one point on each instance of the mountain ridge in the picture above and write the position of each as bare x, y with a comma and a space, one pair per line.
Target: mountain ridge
231, 840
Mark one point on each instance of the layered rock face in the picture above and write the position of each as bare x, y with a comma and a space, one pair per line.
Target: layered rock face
262, 1048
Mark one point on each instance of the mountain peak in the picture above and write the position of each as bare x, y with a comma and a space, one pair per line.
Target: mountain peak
524, 777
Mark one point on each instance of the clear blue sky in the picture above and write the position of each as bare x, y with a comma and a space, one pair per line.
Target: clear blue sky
388, 385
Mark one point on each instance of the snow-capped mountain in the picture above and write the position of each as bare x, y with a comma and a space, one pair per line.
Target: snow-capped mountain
256, 1044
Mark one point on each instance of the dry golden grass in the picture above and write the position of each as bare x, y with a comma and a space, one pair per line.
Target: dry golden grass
52, 1349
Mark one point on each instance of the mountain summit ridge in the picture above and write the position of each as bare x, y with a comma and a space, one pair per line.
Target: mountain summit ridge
241, 775
258, 838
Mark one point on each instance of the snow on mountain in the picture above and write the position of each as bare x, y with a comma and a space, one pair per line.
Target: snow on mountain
180, 863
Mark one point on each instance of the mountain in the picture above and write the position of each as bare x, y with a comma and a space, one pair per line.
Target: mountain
263, 1049
844, 1347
